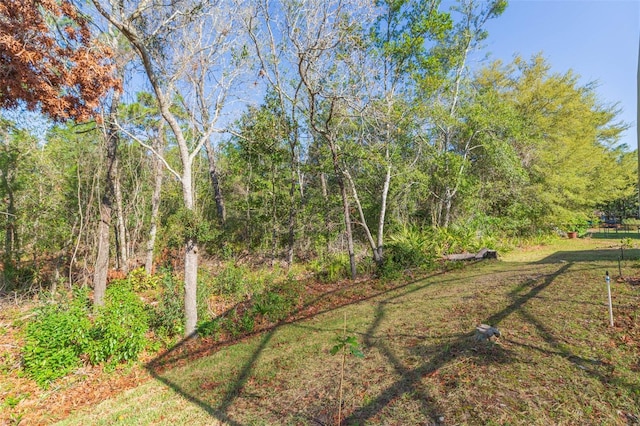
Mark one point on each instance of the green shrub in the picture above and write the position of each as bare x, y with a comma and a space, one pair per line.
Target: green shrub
277, 303
234, 323
166, 319
408, 248
231, 281
56, 338
62, 333
272, 306
247, 322
139, 280
331, 268
118, 333
210, 328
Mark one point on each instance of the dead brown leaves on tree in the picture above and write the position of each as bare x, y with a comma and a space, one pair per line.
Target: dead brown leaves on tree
49, 59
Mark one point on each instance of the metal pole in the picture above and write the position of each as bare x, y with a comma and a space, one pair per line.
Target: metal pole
608, 280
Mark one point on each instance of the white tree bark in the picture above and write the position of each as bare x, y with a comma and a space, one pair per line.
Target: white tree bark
190, 51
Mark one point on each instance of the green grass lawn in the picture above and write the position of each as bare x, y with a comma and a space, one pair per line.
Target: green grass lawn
557, 362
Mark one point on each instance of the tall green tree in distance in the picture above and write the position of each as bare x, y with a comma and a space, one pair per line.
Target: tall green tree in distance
259, 158
442, 85
563, 137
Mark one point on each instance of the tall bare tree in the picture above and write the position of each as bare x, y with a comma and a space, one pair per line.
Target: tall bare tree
190, 51
304, 42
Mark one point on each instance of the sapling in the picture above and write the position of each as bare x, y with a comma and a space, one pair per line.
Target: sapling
343, 344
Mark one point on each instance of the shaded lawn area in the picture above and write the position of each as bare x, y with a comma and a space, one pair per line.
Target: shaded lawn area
556, 362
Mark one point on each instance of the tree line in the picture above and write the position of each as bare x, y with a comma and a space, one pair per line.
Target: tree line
284, 130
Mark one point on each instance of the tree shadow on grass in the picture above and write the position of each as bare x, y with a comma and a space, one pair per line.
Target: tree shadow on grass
410, 381
192, 348
462, 346
609, 255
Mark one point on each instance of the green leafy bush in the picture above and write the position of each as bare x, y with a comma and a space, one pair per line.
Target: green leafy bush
118, 333
247, 322
237, 324
140, 280
166, 318
210, 328
56, 338
579, 224
62, 333
272, 306
231, 281
408, 248
278, 302
331, 268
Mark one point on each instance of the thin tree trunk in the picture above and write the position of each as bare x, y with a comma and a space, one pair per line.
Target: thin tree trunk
11, 234
323, 183
215, 184
10, 228
106, 206
346, 209
447, 208
121, 241
292, 216
383, 211
155, 201
363, 220
296, 179
190, 258
274, 216
190, 285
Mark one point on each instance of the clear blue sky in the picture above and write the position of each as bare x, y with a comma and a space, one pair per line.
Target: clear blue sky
597, 39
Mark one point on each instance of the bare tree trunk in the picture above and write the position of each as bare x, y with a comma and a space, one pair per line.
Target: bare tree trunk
274, 216
11, 234
10, 239
190, 260
345, 208
348, 230
106, 205
383, 210
215, 184
292, 215
121, 241
155, 202
447, 208
296, 179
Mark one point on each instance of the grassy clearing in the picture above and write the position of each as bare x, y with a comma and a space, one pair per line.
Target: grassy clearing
557, 362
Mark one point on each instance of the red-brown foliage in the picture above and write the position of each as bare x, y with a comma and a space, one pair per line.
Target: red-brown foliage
49, 59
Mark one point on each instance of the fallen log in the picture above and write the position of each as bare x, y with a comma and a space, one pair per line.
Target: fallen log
485, 253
